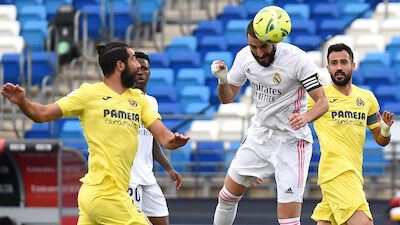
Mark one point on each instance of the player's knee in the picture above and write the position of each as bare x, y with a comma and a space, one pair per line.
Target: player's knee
227, 200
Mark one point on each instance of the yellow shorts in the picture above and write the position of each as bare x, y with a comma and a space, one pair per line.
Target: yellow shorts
106, 203
341, 197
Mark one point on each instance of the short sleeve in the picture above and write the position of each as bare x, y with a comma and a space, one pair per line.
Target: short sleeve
305, 67
148, 114
73, 104
236, 75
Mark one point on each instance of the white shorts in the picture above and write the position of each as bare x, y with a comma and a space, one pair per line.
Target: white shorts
149, 199
264, 152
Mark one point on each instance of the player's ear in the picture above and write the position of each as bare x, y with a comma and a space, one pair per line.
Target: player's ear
120, 65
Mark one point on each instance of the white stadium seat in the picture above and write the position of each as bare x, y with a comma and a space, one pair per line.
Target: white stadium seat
203, 130
390, 28
232, 130
11, 44
363, 26
316, 57
8, 12
9, 28
368, 43
393, 11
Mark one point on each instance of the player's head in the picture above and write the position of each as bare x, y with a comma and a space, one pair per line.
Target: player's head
340, 63
117, 56
144, 70
263, 52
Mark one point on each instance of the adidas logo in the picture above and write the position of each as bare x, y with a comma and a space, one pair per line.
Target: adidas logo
289, 191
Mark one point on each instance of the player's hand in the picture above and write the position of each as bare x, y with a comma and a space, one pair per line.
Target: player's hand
14, 93
220, 70
297, 121
257, 181
386, 117
178, 140
176, 177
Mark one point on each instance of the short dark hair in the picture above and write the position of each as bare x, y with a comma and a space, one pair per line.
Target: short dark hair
338, 48
142, 55
250, 29
109, 55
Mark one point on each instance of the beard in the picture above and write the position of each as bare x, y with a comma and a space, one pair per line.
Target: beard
271, 57
345, 81
128, 78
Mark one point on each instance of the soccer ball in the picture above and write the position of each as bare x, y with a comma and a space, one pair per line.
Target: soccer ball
272, 24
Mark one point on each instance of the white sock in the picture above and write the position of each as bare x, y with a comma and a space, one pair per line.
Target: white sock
290, 221
225, 212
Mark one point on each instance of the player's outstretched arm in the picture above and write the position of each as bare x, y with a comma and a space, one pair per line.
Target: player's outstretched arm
160, 157
37, 112
226, 92
320, 107
381, 133
166, 138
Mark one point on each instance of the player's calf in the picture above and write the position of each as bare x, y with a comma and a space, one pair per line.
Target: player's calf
225, 212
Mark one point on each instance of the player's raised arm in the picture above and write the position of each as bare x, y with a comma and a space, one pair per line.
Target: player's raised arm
37, 112
226, 92
166, 138
381, 133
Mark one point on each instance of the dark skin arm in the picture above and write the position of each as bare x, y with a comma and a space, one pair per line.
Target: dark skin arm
160, 157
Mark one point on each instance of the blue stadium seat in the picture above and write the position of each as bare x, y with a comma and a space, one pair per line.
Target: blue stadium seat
72, 135
374, 60
206, 28
165, 94
175, 125
235, 45
94, 18
199, 108
212, 43
148, 8
330, 27
209, 158
122, 19
41, 66
190, 77
323, 11
352, 10
34, 33
393, 47
253, 6
180, 159
182, 44
380, 76
159, 60
238, 12
235, 29
192, 94
307, 42
211, 56
161, 77
169, 108
387, 93
21, 3
78, 4
297, 11
358, 77
393, 107
11, 68
396, 63
52, 6
185, 60
303, 27
374, 164
40, 131
31, 12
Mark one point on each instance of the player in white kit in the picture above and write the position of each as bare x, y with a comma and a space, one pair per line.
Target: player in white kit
143, 187
278, 140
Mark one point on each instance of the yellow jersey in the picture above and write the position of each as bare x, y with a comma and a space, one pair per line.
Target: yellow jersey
341, 131
110, 123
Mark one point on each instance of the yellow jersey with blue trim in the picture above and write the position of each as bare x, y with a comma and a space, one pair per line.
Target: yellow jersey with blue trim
110, 122
341, 131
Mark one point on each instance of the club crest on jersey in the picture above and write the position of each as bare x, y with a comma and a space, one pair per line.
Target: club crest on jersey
132, 103
360, 102
277, 79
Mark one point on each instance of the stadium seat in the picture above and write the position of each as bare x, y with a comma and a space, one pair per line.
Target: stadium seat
238, 12
235, 45
368, 43
161, 77
382, 12
212, 43
374, 164
374, 60
211, 56
232, 130
94, 17
9, 28
393, 47
122, 20
393, 107
297, 11
41, 66
190, 77
235, 29
190, 94
358, 77
8, 12
164, 94
159, 60
182, 44
21, 3
389, 28
72, 135
206, 28
40, 131
148, 8
323, 11
31, 12
380, 76
78, 4
208, 159
308, 42
180, 159
34, 33
52, 6
11, 67
353, 10
199, 108
362, 26
253, 6
169, 108
303, 27
331, 27
185, 60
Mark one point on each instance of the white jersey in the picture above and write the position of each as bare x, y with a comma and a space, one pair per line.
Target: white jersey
279, 89
142, 168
